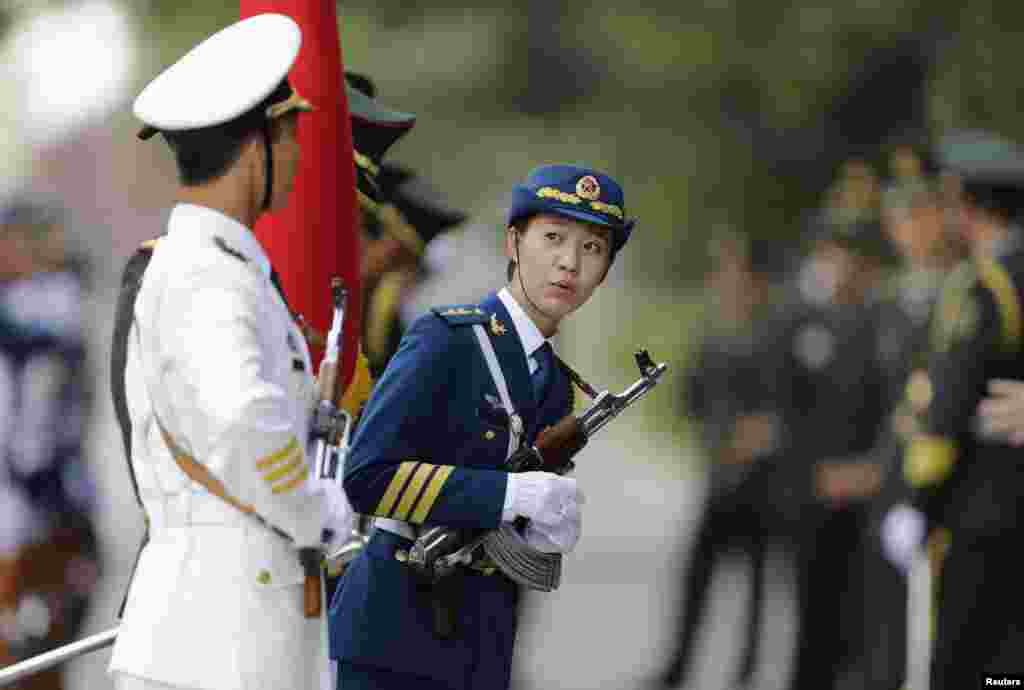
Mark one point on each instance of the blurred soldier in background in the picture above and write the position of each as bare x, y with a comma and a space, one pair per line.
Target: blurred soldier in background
734, 405
967, 480
414, 213
375, 129
831, 388
913, 219
49, 557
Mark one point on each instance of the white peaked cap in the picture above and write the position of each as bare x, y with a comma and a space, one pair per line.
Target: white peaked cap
223, 77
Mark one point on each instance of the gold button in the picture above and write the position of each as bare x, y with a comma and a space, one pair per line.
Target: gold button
264, 577
489, 435
401, 555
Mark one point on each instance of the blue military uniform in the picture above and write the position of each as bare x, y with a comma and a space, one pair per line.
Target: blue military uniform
431, 450
431, 447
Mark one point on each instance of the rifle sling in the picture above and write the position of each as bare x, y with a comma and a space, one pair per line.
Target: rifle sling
198, 473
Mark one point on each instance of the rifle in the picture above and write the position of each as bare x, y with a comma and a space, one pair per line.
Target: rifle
332, 427
439, 550
331, 423
557, 445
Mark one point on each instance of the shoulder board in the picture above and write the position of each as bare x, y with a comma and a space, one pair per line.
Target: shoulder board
462, 315
229, 250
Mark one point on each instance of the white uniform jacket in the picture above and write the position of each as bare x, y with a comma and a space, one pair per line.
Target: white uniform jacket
216, 601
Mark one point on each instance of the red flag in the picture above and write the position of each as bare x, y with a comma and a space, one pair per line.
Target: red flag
317, 235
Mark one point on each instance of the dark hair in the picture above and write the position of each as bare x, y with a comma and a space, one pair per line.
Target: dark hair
203, 155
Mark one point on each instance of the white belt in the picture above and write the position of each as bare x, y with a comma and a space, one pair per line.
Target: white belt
402, 529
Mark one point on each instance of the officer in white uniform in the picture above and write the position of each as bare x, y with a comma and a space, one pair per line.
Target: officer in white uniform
219, 389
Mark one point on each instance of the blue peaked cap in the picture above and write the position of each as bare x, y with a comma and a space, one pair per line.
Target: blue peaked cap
576, 192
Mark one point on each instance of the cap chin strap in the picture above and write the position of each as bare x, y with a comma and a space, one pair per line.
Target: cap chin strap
268, 190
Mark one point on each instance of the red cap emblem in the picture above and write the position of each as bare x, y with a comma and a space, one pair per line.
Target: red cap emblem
588, 188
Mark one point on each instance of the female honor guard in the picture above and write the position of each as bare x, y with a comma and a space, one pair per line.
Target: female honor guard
435, 435
218, 390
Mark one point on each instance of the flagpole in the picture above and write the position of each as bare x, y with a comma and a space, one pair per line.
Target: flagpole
316, 236
12, 674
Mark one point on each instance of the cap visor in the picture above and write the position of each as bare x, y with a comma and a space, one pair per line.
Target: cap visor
580, 215
368, 110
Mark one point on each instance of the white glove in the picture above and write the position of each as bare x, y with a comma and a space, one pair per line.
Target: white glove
902, 531
338, 515
558, 539
543, 497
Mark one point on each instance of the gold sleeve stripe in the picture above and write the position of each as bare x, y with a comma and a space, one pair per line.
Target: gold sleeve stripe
412, 492
929, 460
431, 493
284, 470
283, 454
997, 279
294, 482
387, 502
419, 500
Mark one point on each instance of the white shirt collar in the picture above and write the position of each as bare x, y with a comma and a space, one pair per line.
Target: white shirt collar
529, 335
206, 223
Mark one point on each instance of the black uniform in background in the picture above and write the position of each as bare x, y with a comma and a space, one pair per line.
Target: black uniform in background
831, 388
963, 480
902, 328
725, 386
970, 484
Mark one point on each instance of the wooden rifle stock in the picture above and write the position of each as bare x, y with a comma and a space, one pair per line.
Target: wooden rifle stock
312, 603
554, 449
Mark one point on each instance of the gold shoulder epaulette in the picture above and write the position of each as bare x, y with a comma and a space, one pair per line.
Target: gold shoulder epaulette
955, 313
461, 315
994, 276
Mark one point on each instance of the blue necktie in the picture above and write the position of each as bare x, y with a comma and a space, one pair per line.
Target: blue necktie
541, 377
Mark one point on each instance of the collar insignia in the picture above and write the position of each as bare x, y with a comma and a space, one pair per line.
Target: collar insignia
497, 327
